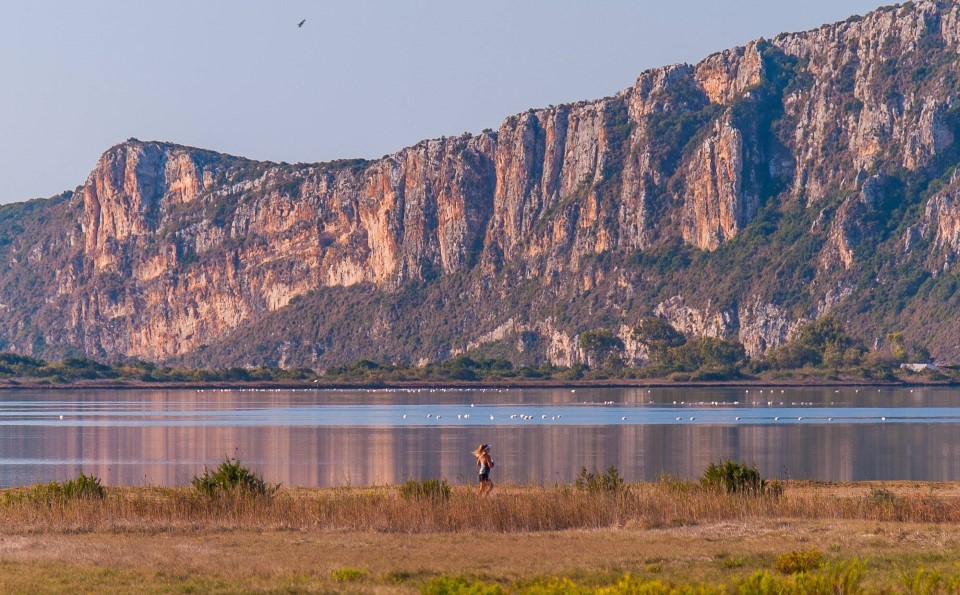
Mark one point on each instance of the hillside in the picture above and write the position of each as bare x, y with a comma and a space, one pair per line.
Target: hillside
740, 197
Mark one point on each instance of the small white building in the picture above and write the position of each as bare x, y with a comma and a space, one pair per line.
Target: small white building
919, 367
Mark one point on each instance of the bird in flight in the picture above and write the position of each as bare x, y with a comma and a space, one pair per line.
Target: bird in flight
300, 24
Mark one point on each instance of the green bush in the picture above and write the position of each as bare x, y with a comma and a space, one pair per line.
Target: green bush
232, 478
732, 477
84, 487
799, 561
436, 490
611, 481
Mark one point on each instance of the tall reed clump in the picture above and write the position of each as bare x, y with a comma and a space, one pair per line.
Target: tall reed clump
232, 478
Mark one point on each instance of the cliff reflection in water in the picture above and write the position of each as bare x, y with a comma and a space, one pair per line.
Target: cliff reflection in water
336, 456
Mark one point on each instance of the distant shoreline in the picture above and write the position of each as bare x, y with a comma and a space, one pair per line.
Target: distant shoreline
658, 383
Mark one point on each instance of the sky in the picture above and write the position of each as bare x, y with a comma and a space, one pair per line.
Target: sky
361, 78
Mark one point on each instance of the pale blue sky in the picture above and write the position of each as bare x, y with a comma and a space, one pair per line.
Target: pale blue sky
360, 79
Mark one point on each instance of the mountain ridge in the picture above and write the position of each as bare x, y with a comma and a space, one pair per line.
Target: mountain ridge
739, 197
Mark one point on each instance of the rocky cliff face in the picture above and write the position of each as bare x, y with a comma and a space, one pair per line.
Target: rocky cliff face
739, 197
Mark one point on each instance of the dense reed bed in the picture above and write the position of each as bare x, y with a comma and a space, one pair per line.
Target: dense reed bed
509, 510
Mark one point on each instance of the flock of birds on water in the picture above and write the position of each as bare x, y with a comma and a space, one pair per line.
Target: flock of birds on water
519, 417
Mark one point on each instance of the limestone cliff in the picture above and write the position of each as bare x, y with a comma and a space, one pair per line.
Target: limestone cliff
738, 197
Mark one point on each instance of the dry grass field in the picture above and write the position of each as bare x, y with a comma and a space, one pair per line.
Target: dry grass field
669, 537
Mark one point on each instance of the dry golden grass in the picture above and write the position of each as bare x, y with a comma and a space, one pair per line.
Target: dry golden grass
372, 540
510, 510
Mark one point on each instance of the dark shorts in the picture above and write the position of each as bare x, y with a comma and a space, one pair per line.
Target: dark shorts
485, 476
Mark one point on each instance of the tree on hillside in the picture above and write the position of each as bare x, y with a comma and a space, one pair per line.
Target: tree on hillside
706, 354
602, 349
658, 336
823, 342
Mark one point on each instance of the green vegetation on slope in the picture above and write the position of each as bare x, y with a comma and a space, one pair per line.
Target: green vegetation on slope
822, 351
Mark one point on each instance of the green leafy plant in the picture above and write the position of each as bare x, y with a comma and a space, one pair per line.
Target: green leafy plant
231, 477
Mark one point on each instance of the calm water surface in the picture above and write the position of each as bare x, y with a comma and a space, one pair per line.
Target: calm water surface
329, 438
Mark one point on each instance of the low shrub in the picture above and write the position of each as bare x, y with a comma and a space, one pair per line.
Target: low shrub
732, 477
829, 579
348, 575
799, 561
436, 490
444, 585
923, 581
611, 481
880, 497
231, 477
674, 483
83, 487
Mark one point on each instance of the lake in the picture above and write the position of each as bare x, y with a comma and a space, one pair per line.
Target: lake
542, 436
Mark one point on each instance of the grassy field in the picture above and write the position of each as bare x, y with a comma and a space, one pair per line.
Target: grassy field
864, 537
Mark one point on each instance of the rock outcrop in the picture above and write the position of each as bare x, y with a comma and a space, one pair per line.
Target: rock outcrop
739, 198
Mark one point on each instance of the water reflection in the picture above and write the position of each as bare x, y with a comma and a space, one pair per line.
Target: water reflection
166, 437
